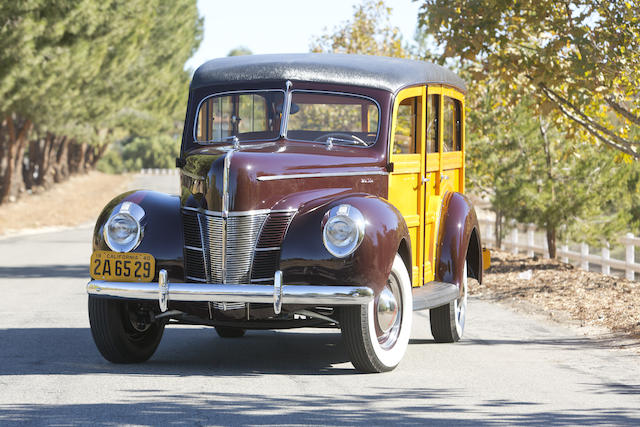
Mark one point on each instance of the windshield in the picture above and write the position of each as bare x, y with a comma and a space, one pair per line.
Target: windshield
247, 115
314, 116
333, 118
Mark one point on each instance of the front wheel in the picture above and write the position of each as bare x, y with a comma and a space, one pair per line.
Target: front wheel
123, 331
447, 321
377, 334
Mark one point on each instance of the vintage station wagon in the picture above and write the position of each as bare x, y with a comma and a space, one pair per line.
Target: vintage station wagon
317, 190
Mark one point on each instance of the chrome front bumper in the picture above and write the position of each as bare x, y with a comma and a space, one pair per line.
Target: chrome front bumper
278, 294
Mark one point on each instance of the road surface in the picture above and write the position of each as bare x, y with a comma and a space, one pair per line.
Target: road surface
509, 368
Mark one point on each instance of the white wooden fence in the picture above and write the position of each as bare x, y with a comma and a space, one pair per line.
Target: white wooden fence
157, 171
515, 243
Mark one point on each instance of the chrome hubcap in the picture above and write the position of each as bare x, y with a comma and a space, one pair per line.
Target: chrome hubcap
387, 309
461, 304
388, 313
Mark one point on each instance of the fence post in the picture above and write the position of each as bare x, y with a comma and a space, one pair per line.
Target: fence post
530, 241
606, 268
514, 240
630, 257
565, 249
584, 253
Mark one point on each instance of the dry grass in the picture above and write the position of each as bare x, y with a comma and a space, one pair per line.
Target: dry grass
564, 292
76, 201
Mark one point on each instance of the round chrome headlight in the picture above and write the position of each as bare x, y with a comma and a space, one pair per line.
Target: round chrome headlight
343, 230
123, 232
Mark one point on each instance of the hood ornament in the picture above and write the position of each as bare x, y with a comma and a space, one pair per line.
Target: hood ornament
235, 141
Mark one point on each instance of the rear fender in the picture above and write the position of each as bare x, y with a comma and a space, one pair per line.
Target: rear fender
458, 240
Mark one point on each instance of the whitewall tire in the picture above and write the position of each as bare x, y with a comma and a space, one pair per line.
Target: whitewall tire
447, 321
377, 334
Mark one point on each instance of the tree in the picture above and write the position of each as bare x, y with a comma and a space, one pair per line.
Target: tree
577, 59
240, 50
535, 173
369, 32
139, 152
78, 75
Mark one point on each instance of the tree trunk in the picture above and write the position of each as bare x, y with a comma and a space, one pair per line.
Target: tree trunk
101, 150
50, 146
61, 167
12, 180
498, 229
82, 158
551, 241
94, 154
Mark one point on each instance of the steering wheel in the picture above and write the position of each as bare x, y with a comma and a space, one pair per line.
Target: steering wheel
347, 137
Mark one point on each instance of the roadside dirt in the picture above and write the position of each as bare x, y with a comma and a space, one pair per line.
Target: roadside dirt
599, 305
74, 202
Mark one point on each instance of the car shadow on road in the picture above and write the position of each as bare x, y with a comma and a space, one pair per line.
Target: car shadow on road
183, 351
607, 341
45, 271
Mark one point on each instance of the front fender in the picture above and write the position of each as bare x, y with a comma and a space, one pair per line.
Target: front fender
162, 229
458, 240
305, 260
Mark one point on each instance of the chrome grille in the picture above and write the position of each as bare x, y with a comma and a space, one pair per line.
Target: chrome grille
235, 250
238, 236
267, 253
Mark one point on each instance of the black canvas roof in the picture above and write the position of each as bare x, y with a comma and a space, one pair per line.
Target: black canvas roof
391, 74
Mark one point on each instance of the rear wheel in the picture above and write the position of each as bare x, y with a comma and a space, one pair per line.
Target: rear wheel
124, 331
377, 334
447, 321
229, 332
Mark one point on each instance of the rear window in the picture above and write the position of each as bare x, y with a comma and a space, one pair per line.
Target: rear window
245, 115
333, 118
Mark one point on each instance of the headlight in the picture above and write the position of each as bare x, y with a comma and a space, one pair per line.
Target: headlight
123, 232
343, 230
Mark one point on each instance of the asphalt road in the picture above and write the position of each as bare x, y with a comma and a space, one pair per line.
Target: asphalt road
509, 368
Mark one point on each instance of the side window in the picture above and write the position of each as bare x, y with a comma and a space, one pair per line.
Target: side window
433, 117
451, 125
406, 127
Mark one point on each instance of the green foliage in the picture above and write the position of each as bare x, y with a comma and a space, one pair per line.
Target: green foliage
240, 50
141, 152
369, 33
535, 173
579, 61
96, 70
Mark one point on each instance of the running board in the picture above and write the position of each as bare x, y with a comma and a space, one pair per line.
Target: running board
434, 294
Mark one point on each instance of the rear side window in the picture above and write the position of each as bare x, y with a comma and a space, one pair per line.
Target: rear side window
433, 118
333, 118
451, 137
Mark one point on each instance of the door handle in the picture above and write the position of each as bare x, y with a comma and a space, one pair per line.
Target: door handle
443, 177
425, 179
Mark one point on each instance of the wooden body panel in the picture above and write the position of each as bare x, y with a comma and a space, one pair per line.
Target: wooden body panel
420, 179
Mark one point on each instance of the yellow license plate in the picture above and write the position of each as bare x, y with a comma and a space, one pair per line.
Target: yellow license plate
122, 267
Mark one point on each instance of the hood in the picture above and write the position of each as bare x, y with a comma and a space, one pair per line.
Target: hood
270, 175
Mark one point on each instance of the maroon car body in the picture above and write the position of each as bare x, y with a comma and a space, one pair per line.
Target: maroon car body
247, 243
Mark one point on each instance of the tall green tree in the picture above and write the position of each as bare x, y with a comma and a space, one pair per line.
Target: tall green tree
85, 73
533, 172
369, 32
239, 51
579, 60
